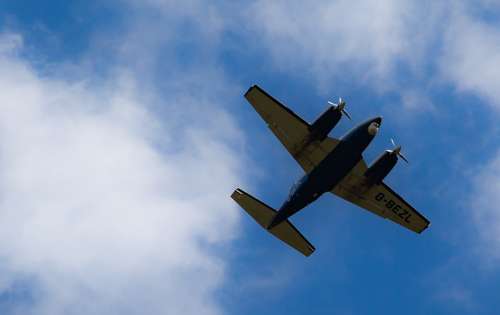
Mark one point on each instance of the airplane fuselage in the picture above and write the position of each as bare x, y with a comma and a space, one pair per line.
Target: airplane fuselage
335, 166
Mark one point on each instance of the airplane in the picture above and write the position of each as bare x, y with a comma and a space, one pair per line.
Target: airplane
331, 165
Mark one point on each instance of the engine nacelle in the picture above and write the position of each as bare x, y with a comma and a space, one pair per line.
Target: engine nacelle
381, 167
322, 126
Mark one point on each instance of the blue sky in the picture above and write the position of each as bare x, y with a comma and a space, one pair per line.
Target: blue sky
125, 130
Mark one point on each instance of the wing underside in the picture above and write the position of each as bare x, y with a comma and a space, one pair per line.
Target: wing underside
380, 200
290, 129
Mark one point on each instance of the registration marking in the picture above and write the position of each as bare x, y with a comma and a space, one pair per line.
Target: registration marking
394, 207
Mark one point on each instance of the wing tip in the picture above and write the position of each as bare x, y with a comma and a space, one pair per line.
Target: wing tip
251, 88
425, 227
236, 193
311, 251
252, 100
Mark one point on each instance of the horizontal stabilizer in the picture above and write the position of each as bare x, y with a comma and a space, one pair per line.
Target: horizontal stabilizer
263, 214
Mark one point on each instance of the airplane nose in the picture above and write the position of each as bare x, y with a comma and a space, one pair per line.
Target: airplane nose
374, 125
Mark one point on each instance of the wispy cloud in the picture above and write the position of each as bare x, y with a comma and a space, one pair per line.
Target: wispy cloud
456, 297
484, 201
471, 55
368, 41
470, 59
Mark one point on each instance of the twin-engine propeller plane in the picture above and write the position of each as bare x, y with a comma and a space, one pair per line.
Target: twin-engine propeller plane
331, 165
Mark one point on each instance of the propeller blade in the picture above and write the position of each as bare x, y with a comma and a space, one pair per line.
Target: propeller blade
341, 107
397, 151
346, 114
403, 157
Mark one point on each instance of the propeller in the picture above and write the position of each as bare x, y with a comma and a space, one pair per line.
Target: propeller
341, 107
397, 151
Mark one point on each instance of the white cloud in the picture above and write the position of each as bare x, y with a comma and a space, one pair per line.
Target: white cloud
472, 55
470, 60
483, 207
365, 40
104, 207
163, 30
384, 44
10, 42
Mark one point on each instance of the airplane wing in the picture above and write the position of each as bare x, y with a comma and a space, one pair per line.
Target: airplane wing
379, 199
290, 129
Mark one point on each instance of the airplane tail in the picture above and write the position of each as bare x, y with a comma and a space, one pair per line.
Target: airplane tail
263, 214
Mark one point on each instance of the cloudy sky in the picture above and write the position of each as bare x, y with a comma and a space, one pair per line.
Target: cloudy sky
123, 131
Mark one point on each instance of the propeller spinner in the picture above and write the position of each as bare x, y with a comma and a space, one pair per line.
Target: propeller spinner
397, 151
341, 107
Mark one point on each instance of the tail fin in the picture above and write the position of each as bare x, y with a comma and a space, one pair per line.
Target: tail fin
263, 214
